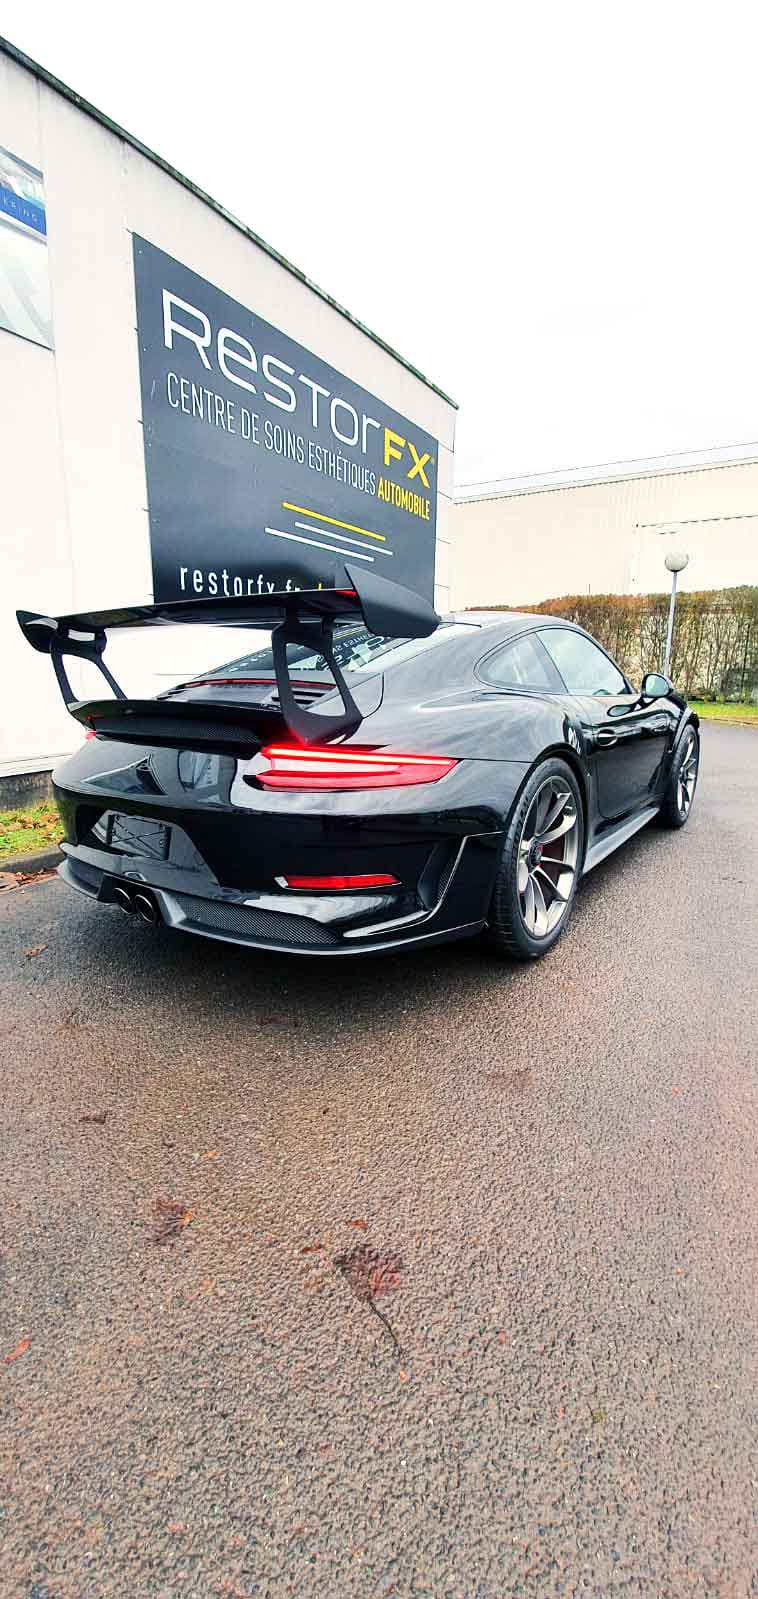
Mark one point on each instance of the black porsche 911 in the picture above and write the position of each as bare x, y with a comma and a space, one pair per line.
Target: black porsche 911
375, 778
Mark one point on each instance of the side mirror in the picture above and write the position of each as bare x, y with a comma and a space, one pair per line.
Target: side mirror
655, 686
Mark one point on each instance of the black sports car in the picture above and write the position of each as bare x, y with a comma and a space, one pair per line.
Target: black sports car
376, 777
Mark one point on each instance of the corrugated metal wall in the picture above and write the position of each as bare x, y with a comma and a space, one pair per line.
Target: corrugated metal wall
607, 537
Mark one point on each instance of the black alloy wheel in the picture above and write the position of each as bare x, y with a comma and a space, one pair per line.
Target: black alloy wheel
540, 861
680, 789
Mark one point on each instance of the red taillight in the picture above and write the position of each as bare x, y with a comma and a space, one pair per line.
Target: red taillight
295, 766
90, 733
360, 880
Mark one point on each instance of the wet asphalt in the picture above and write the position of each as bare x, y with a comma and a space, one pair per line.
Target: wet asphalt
551, 1172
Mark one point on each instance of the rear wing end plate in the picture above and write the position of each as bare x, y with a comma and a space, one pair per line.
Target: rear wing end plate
301, 616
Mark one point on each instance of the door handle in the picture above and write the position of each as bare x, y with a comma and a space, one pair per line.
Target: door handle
605, 738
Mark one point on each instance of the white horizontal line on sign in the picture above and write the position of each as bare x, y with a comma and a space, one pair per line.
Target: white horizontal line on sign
278, 533
335, 535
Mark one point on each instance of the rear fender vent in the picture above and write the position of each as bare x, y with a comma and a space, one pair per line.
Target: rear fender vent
437, 873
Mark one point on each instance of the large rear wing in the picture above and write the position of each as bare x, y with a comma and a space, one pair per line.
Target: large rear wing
302, 616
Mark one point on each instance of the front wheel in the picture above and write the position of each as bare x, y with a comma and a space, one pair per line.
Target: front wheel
539, 865
682, 781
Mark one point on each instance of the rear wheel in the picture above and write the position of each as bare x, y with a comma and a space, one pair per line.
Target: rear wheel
539, 864
680, 789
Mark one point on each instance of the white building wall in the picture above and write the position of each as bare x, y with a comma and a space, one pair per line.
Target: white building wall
612, 536
74, 531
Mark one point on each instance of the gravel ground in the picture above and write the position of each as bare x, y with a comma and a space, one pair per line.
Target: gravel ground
555, 1168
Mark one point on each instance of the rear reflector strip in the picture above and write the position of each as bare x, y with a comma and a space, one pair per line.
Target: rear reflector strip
335, 884
308, 767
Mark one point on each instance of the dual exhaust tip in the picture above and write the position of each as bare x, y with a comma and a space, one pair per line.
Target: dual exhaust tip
136, 902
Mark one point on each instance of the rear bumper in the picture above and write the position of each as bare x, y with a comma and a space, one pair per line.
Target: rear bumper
337, 925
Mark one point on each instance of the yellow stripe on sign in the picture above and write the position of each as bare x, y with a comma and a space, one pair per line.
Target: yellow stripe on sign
351, 527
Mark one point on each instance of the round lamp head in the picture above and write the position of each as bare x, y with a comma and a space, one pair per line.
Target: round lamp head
676, 561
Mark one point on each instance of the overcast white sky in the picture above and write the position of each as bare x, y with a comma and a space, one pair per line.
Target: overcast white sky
550, 209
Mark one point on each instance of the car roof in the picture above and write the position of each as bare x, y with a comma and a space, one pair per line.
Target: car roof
508, 621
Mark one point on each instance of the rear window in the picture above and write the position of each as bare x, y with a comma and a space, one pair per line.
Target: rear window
355, 650
522, 664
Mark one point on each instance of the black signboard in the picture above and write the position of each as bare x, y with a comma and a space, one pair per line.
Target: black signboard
266, 468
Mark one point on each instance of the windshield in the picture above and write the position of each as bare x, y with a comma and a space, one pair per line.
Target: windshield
355, 650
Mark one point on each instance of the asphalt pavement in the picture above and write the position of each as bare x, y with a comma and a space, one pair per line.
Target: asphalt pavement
220, 1171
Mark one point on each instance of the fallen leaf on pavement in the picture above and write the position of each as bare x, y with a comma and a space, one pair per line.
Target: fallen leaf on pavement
371, 1272
20, 1349
171, 1215
95, 1118
36, 949
211, 1154
359, 1221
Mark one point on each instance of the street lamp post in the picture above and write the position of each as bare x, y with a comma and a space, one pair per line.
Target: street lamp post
675, 562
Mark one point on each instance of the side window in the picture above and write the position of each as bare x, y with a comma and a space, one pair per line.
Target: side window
522, 664
583, 667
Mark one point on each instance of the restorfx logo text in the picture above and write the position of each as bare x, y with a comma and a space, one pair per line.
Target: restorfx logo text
282, 386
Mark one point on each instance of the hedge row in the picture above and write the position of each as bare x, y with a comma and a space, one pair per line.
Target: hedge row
715, 648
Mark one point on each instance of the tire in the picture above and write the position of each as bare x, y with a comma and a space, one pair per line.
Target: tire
682, 780
523, 922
